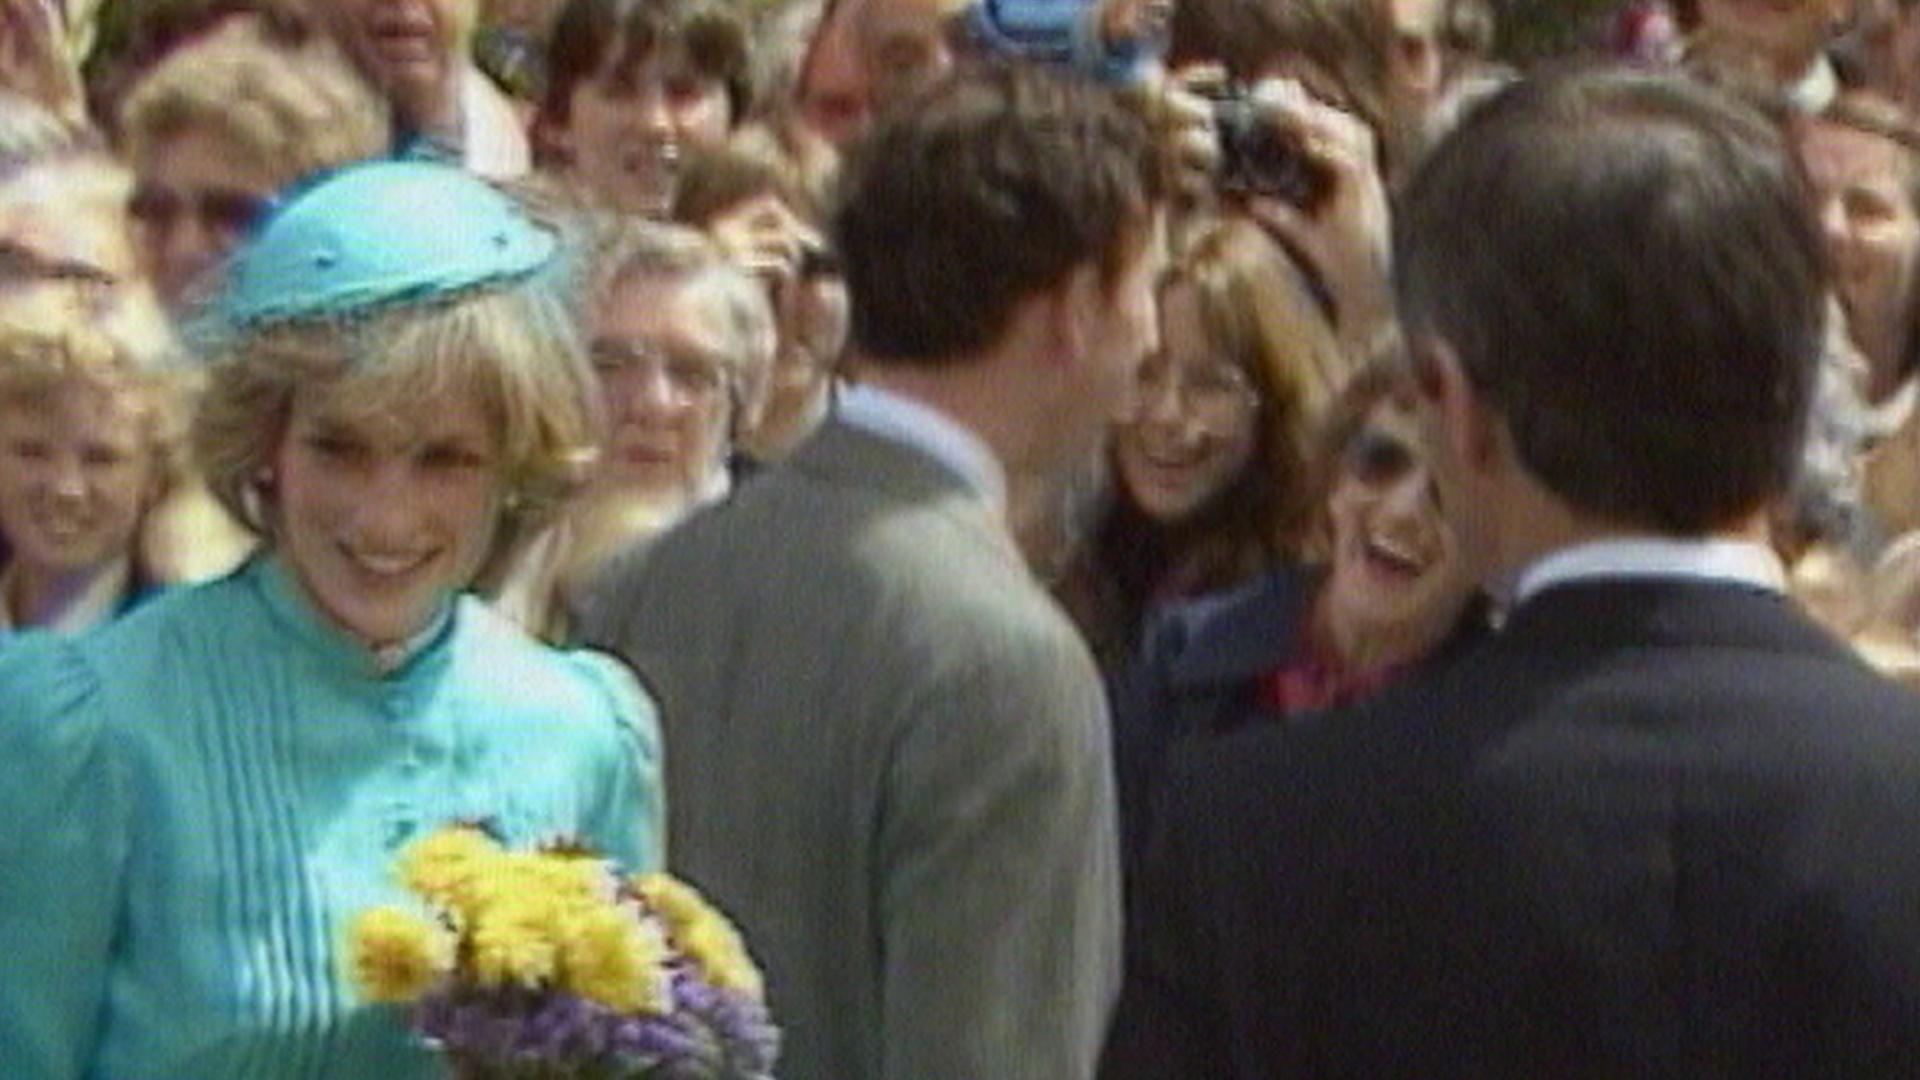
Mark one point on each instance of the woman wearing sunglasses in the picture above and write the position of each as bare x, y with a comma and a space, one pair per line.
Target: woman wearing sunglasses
1390, 595
221, 126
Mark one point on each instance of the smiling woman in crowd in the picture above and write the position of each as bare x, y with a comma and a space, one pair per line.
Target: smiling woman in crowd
633, 87
88, 445
1209, 484
1391, 593
201, 795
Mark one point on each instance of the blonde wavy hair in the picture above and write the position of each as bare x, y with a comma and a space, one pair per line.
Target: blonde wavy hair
516, 349
290, 106
42, 356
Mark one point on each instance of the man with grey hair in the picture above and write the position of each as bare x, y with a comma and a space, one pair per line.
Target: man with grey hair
682, 342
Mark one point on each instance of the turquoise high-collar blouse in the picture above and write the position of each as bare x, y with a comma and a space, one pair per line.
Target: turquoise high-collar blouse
197, 800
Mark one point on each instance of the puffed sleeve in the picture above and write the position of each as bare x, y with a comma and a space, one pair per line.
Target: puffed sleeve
628, 821
63, 846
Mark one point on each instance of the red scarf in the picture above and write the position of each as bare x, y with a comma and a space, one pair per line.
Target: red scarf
1315, 678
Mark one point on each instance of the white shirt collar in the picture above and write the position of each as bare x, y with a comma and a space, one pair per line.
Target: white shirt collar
1892, 414
1715, 559
934, 433
388, 659
1814, 91
493, 144
717, 484
94, 605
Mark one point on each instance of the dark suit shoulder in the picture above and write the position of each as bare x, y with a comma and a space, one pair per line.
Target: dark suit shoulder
1642, 831
1738, 701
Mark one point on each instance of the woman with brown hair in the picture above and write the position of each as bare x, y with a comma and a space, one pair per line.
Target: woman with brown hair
756, 199
633, 88
1209, 470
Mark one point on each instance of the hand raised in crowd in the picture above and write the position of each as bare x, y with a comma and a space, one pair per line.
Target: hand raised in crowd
769, 240
1345, 233
34, 60
765, 238
1179, 106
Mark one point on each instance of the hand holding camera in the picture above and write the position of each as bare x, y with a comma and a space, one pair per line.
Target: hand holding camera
1309, 173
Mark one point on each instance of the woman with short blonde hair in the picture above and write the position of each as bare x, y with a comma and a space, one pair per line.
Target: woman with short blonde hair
396, 382
518, 350
89, 445
282, 99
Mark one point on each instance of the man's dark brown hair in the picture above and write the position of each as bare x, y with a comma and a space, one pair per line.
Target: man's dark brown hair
991, 188
1624, 264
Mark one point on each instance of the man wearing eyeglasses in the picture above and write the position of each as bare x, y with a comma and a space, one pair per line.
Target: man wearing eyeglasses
682, 341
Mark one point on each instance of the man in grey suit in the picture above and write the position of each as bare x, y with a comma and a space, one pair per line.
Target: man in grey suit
888, 751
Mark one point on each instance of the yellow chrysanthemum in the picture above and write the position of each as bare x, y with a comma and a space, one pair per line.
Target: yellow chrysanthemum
613, 957
397, 955
702, 933
567, 879
448, 866
513, 940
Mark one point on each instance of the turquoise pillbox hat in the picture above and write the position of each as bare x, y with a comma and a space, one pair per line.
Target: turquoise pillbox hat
377, 235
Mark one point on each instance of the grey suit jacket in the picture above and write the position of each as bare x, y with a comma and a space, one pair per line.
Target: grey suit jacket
887, 757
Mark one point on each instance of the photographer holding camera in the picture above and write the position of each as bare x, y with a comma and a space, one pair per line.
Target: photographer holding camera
1308, 172
1281, 127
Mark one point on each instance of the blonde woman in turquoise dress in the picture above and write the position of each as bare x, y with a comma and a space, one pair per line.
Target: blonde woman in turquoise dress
197, 799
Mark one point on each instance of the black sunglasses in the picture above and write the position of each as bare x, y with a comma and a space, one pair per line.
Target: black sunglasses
1377, 459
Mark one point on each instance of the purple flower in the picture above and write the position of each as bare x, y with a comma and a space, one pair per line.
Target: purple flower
565, 1028
712, 1034
653, 1039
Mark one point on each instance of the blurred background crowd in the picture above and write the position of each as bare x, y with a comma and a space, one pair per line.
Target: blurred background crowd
688, 154
689, 149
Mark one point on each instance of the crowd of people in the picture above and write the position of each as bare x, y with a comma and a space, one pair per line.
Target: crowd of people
1115, 538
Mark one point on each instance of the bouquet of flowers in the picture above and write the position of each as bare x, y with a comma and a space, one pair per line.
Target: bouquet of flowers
551, 964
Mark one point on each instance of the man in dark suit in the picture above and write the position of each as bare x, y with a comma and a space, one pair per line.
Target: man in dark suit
888, 750
1659, 825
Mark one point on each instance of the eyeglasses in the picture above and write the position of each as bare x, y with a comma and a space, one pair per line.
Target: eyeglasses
93, 289
226, 212
1217, 395
19, 263
818, 260
1378, 459
689, 379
